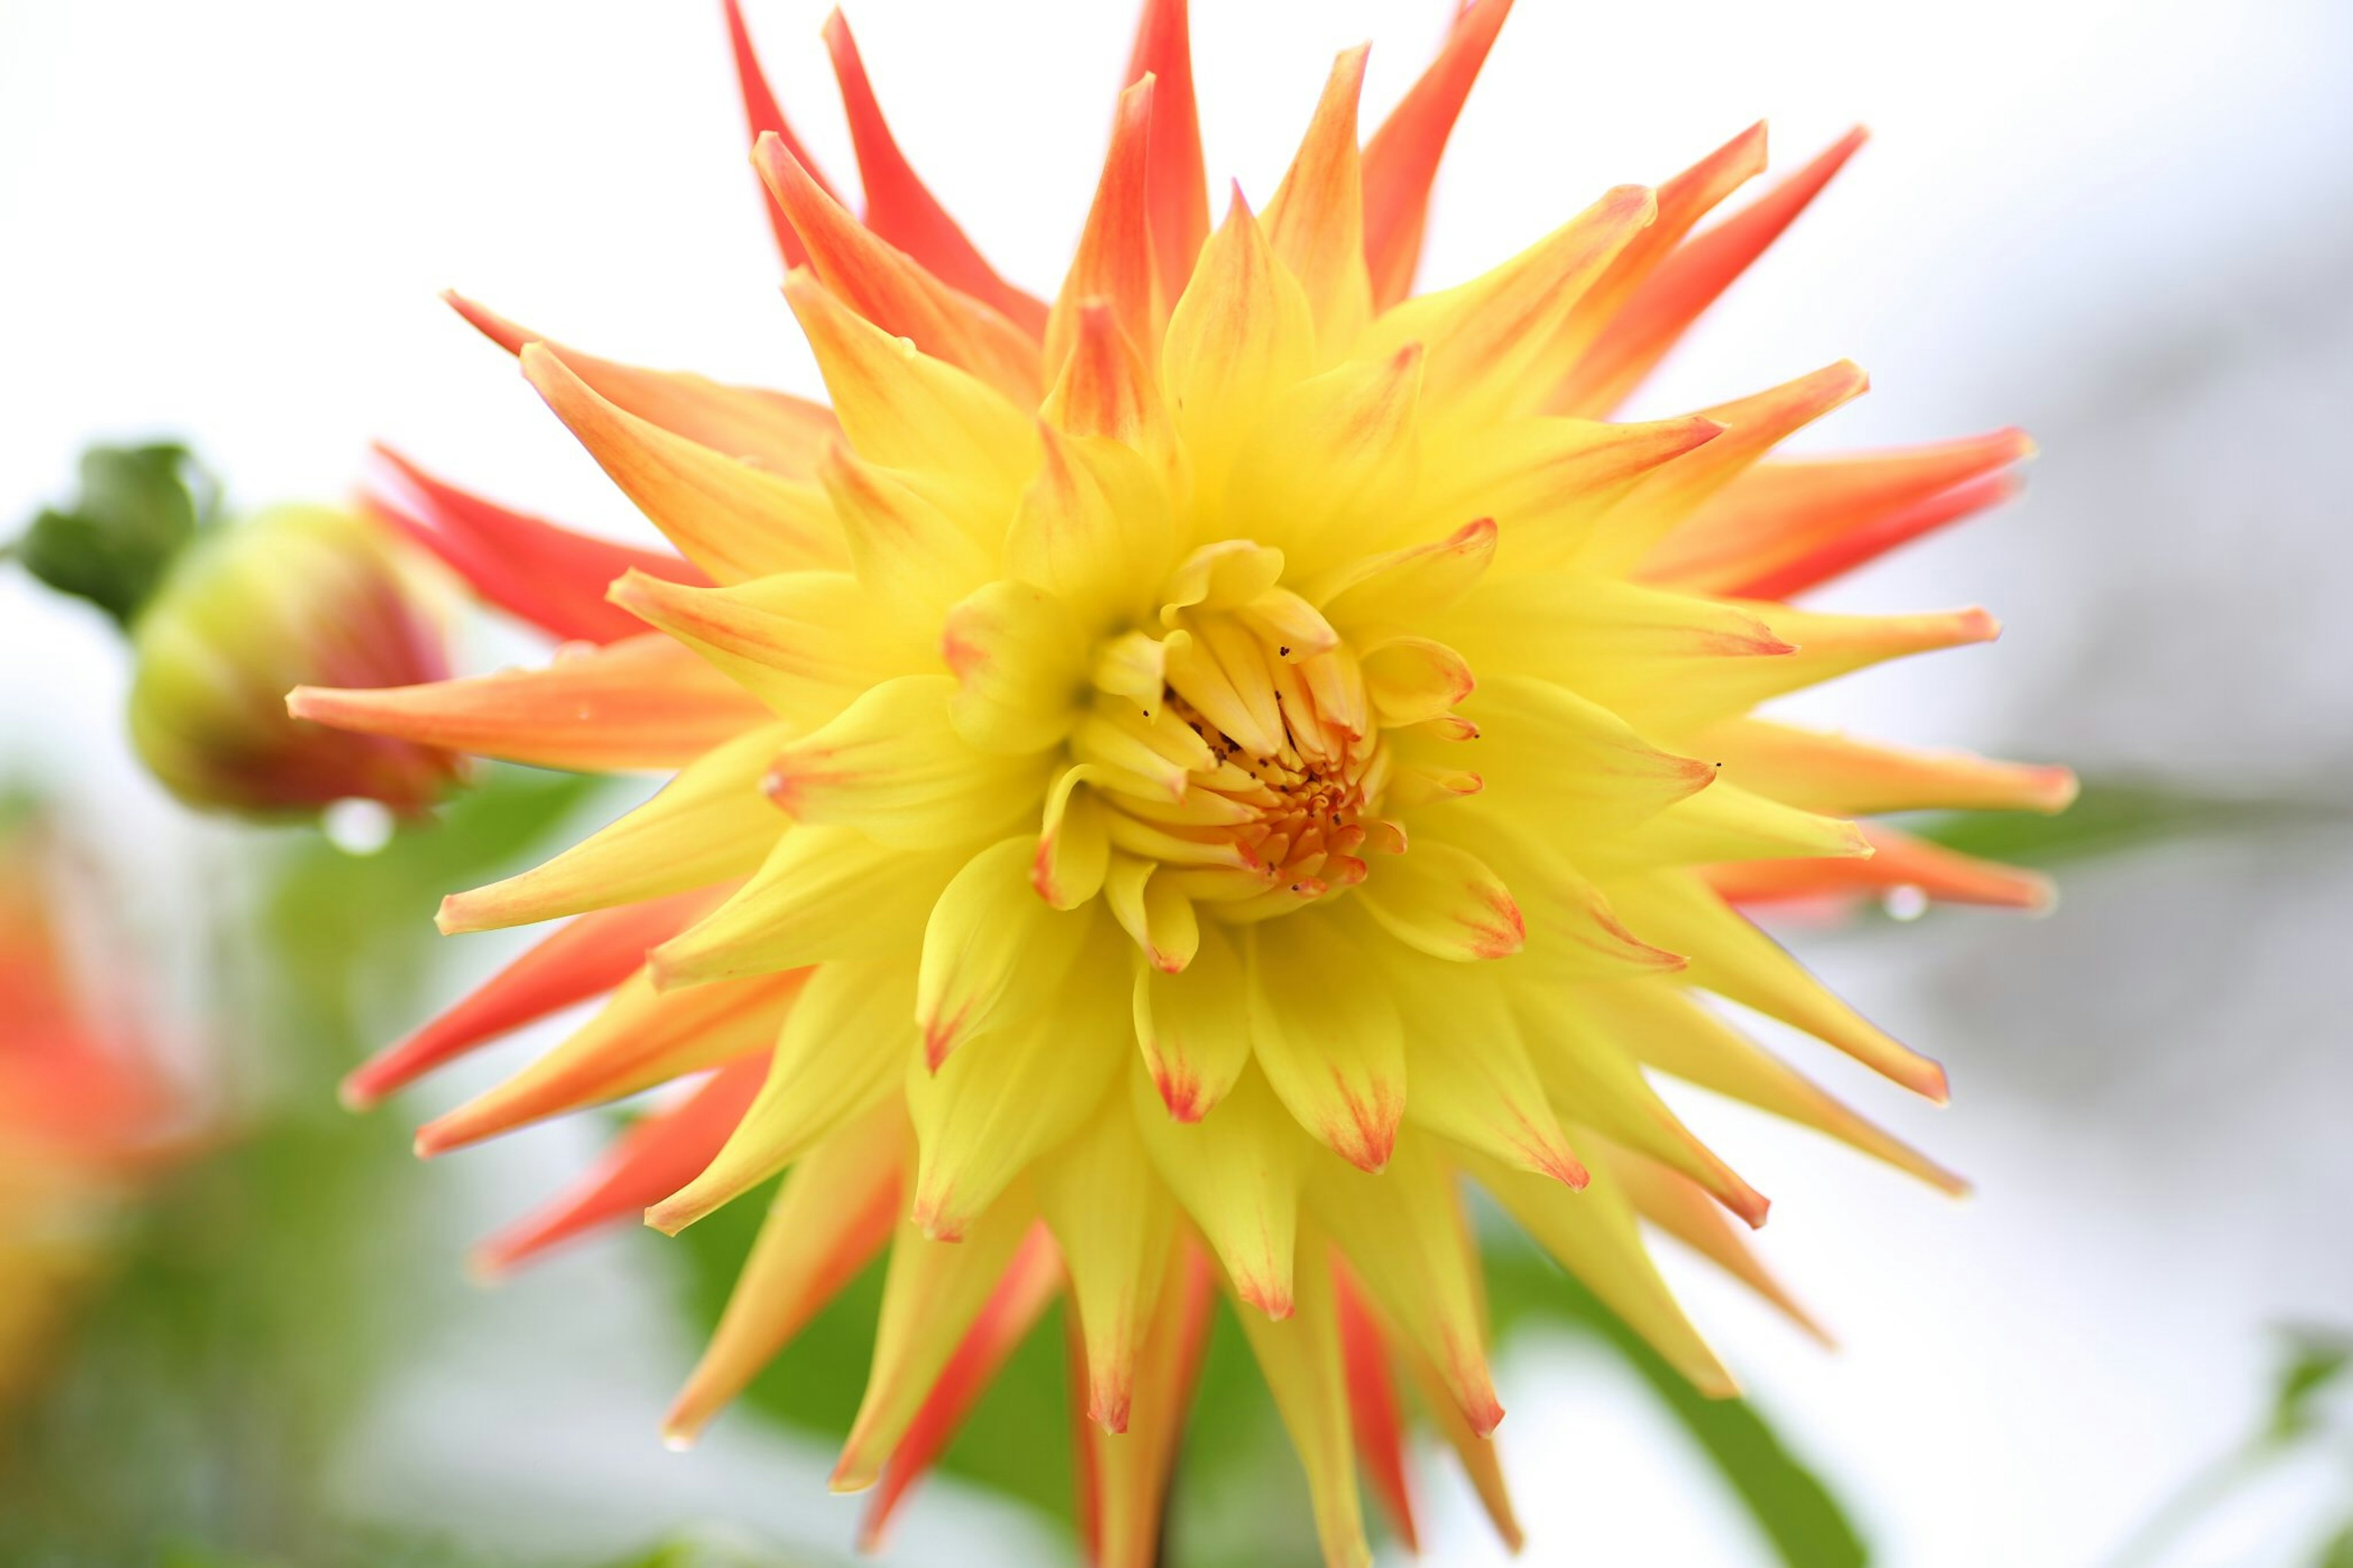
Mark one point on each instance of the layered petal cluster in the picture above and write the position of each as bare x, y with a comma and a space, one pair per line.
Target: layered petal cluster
1172, 784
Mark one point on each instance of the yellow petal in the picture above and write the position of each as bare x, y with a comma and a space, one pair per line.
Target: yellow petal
1316, 221
1573, 933
843, 1051
1074, 844
1011, 1094
823, 893
1847, 778
903, 409
1445, 902
711, 824
1412, 679
1473, 1080
1486, 338
1734, 960
1193, 1024
1407, 587
1753, 426
1323, 468
1405, 1234
894, 767
1093, 527
1546, 753
1667, 1029
1237, 1172
1691, 691
1603, 638
1115, 1221
1678, 1207
904, 549
1238, 337
1300, 1360
1326, 1032
833, 1214
1594, 1235
732, 520
639, 1038
931, 1293
780, 432
1593, 1080
1020, 663
1725, 822
802, 643
993, 949
642, 703
1126, 1476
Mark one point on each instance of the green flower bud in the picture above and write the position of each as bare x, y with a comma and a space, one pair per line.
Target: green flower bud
297, 595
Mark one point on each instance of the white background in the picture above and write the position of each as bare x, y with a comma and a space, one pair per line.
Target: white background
2128, 226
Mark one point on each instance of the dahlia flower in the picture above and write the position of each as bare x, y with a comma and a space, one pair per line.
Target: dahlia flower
1173, 785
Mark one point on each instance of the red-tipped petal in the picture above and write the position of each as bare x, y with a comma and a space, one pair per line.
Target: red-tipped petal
1177, 194
547, 575
1401, 160
1029, 1283
892, 289
1783, 527
652, 1160
1654, 316
1373, 1408
780, 432
901, 208
643, 703
1897, 861
1114, 260
763, 117
583, 957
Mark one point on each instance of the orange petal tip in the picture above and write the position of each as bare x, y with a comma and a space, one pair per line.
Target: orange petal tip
1107, 1407
1274, 1301
678, 1441
1181, 1093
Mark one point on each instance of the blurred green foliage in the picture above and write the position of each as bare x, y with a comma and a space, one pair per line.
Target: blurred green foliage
2113, 817
269, 1280
137, 508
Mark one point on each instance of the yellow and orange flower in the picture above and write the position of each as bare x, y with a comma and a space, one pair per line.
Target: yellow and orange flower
1172, 784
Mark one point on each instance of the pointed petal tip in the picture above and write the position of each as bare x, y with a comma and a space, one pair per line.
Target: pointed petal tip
849, 1477
358, 1092
1181, 1093
506, 335
487, 1267
2054, 787
1107, 1404
678, 1441
1274, 1301
669, 1216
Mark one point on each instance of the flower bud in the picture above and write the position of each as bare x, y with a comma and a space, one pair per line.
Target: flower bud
296, 595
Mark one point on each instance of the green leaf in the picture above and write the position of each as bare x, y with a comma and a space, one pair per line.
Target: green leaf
2316, 1359
137, 507
2113, 817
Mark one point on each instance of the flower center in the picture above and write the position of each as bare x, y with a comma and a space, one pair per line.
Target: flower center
1299, 816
